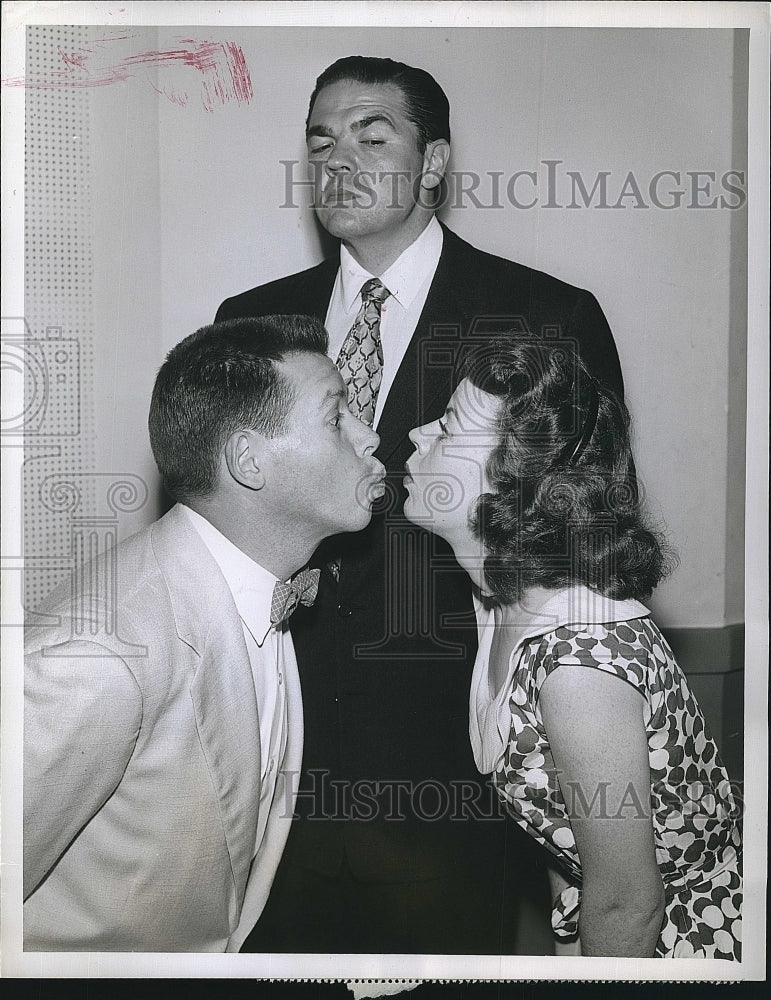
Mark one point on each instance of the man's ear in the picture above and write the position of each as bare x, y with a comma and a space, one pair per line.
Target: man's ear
435, 160
244, 457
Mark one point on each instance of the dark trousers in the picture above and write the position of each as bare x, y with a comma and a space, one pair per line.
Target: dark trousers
476, 910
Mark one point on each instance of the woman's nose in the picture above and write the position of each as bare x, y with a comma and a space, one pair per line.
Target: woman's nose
414, 436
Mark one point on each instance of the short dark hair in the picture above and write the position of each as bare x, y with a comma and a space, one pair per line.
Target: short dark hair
566, 505
218, 379
425, 102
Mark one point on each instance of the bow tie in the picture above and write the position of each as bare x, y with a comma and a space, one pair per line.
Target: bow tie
301, 589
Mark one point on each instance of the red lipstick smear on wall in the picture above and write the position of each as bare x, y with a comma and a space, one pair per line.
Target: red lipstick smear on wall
217, 70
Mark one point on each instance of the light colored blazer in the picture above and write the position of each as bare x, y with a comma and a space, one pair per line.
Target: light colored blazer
142, 772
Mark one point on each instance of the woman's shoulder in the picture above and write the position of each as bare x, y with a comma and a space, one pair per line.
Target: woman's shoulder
631, 649
629, 639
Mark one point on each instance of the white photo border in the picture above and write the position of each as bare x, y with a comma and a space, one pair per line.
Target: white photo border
16, 963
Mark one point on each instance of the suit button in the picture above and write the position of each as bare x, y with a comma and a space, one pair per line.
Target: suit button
344, 611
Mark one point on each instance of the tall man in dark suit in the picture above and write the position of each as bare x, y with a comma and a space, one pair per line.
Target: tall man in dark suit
398, 845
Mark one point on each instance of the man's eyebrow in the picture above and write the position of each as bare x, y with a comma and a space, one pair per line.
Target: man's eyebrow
356, 126
318, 130
330, 394
368, 120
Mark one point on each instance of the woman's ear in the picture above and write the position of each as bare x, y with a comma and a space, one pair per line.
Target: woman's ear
244, 454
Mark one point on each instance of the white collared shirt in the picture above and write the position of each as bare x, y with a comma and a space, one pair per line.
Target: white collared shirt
271, 652
408, 280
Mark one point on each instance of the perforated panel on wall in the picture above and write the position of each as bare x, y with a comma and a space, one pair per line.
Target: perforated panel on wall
58, 426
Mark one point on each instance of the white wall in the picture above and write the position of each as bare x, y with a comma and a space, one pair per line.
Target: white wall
127, 260
189, 211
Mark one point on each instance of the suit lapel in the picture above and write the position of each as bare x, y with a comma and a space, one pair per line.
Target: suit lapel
230, 739
425, 375
315, 291
281, 811
222, 687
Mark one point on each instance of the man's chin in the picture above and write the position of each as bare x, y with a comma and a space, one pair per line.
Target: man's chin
346, 221
356, 522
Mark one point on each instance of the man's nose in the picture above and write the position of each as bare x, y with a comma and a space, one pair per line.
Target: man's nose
369, 440
342, 157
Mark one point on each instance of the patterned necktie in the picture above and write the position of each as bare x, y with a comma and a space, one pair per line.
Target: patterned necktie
361, 357
301, 589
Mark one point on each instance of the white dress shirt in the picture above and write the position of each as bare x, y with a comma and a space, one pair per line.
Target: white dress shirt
271, 652
408, 280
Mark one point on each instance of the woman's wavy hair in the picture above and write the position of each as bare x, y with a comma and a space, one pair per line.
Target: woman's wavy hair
566, 506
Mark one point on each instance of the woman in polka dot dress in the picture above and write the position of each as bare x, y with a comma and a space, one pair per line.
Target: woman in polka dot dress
578, 708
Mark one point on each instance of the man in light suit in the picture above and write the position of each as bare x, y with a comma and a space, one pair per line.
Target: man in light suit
386, 654
161, 757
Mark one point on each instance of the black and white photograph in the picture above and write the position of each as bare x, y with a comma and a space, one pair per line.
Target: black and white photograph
363, 364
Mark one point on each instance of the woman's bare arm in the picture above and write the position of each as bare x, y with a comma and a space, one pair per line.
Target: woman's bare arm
594, 723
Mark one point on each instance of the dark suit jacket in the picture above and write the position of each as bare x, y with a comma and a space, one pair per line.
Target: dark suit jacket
385, 657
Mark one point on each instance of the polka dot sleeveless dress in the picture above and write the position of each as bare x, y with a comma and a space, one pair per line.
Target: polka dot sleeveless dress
695, 817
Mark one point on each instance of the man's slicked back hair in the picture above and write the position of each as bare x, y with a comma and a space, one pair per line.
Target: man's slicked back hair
425, 102
221, 378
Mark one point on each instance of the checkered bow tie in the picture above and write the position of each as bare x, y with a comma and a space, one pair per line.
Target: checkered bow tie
301, 589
